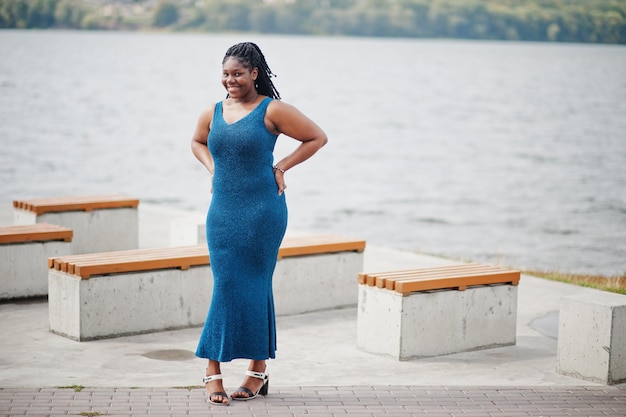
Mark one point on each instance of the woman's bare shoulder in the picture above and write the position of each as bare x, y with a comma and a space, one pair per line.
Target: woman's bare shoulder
278, 109
208, 111
206, 115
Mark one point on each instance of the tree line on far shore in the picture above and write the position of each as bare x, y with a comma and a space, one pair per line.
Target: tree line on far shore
599, 21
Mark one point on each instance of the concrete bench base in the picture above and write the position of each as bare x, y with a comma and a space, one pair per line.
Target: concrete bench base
433, 323
24, 269
114, 305
94, 231
592, 337
316, 282
126, 304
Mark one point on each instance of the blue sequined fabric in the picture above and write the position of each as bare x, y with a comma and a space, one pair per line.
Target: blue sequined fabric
245, 225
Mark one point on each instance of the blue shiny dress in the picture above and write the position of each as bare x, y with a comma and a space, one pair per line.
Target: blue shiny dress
245, 225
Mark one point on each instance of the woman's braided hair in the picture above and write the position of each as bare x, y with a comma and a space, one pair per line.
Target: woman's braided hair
250, 55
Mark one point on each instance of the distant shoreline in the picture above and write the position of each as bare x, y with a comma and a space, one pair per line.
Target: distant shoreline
580, 21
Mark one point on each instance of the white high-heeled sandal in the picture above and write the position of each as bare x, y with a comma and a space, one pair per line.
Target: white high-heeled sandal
262, 390
210, 378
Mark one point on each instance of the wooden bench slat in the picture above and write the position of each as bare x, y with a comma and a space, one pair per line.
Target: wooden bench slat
150, 253
87, 265
379, 279
146, 255
87, 271
70, 199
389, 282
430, 270
69, 263
461, 282
80, 203
374, 278
310, 245
39, 232
454, 276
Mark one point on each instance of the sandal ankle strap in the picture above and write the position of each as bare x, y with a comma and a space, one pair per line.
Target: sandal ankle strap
260, 375
211, 378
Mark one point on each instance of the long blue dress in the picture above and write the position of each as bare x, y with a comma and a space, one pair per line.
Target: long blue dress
245, 225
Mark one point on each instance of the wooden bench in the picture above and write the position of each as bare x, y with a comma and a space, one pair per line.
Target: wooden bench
117, 293
427, 312
99, 222
23, 254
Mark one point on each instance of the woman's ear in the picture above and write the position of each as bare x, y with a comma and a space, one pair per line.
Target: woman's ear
255, 73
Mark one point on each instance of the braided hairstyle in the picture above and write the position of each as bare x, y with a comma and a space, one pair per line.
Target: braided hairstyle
250, 55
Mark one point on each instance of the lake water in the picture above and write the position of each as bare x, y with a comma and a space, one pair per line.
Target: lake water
501, 152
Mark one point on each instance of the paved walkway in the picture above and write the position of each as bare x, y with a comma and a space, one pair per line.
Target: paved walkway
323, 401
318, 371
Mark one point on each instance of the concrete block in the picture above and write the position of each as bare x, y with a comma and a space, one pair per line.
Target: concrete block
592, 337
24, 267
131, 303
187, 230
433, 323
316, 282
100, 230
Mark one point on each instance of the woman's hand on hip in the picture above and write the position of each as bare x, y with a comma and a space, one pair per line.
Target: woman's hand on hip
280, 181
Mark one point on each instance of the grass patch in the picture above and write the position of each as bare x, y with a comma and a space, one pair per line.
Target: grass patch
616, 284
91, 414
77, 388
190, 387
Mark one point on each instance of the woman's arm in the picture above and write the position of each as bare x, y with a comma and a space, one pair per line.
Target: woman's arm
200, 137
288, 120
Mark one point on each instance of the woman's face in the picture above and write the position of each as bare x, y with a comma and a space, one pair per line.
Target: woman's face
237, 79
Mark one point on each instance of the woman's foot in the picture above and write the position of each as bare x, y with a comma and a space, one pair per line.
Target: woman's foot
213, 384
255, 382
215, 390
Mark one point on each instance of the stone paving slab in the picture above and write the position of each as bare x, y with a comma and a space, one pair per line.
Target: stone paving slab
359, 401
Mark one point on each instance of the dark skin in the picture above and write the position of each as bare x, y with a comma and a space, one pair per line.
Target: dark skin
280, 118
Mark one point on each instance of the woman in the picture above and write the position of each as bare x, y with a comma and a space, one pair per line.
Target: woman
247, 218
